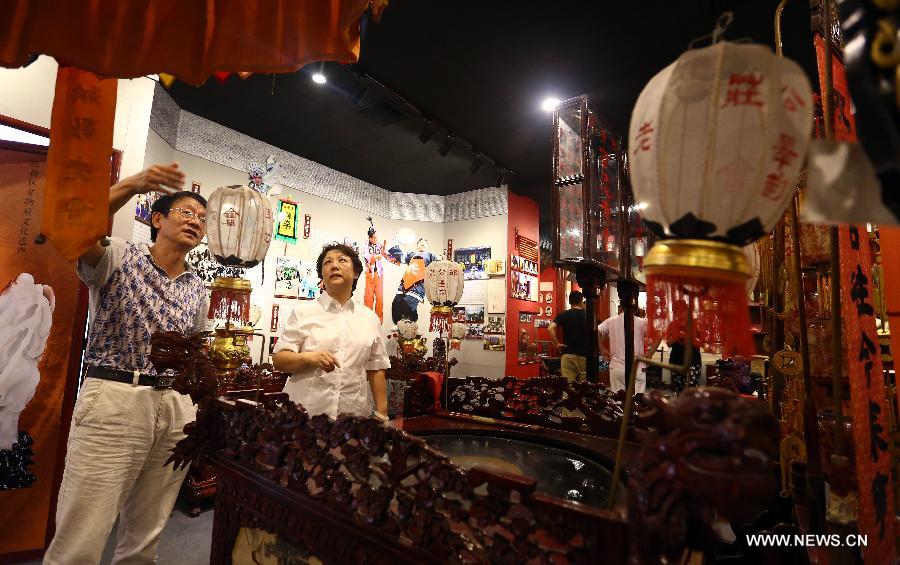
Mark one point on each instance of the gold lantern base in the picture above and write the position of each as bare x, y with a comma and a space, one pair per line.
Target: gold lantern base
697, 258
229, 348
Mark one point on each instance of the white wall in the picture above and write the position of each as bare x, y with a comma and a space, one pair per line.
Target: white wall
492, 231
27, 94
340, 220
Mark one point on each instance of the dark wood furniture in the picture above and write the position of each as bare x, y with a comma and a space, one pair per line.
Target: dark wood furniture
352, 490
200, 483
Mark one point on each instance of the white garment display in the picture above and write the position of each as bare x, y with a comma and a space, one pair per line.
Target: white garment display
352, 333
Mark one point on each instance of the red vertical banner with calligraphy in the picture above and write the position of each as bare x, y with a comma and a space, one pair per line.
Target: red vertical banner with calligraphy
870, 412
38, 288
76, 210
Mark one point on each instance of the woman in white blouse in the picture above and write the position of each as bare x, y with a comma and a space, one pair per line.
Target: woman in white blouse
333, 347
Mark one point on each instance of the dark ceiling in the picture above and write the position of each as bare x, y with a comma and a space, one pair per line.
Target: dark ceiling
479, 70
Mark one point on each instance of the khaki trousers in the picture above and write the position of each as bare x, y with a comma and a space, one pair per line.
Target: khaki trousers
120, 437
573, 367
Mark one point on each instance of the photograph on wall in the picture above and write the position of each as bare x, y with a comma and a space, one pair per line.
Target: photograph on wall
459, 314
474, 331
295, 278
495, 342
522, 286
526, 317
474, 315
521, 264
495, 267
144, 205
495, 325
474, 261
542, 323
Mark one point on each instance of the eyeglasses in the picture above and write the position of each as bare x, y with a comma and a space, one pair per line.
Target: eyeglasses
190, 215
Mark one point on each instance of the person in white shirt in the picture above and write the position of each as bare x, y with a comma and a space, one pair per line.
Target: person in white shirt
333, 347
614, 327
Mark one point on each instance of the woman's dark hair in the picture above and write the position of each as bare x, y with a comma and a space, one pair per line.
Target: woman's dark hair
346, 250
164, 204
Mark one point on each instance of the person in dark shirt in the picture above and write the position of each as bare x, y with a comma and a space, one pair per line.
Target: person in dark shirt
573, 363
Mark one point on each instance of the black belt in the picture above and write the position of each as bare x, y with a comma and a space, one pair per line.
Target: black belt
118, 375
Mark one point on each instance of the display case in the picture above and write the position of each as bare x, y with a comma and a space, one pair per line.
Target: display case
587, 207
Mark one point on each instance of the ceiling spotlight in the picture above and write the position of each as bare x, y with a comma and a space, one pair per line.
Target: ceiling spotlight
446, 147
476, 164
319, 78
550, 103
427, 133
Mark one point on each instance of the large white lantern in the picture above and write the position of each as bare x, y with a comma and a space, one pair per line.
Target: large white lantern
239, 230
443, 288
716, 143
239, 226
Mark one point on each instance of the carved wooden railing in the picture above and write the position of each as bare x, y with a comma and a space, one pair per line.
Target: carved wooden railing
393, 488
551, 402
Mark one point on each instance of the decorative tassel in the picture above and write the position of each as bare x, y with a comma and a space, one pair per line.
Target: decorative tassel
441, 318
231, 305
720, 312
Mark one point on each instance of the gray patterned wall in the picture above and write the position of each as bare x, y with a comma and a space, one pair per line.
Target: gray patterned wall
208, 140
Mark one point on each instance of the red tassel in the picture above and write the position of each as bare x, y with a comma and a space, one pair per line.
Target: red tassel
440, 321
231, 305
720, 310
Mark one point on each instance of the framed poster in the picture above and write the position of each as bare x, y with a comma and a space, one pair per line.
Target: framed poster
522, 286
474, 261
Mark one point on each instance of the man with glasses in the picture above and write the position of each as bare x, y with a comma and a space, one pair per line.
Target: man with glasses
127, 419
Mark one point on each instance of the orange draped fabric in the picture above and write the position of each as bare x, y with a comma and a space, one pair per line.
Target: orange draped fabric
190, 39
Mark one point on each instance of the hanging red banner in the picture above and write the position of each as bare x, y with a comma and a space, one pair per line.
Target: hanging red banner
76, 210
868, 396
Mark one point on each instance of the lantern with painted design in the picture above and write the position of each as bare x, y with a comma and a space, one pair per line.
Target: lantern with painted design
443, 287
239, 230
716, 143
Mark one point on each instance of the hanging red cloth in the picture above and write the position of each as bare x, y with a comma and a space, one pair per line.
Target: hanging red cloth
190, 40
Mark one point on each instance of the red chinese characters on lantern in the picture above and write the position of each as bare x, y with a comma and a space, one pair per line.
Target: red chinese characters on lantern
776, 182
792, 99
231, 217
784, 151
743, 90
642, 140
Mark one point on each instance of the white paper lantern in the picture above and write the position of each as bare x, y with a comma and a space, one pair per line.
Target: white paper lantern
717, 140
239, 226
443, 288
716, 143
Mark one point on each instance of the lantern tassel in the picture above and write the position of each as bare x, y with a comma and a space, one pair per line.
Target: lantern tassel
720, 308
441, 318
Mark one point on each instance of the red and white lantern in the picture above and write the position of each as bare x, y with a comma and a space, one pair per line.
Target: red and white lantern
239, 230
443, 288
716, 143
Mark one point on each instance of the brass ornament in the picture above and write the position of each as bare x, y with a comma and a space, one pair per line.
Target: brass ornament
788, 362
689, 257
